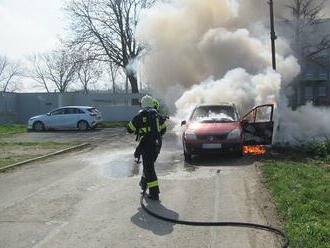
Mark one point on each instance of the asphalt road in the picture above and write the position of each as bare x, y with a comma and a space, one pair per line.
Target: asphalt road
90, 198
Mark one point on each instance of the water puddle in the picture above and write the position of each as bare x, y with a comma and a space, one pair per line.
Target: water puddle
121, 164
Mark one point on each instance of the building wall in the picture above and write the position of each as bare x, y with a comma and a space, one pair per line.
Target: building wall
19, 107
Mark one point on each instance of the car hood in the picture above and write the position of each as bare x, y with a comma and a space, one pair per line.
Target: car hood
203, 128
37, 116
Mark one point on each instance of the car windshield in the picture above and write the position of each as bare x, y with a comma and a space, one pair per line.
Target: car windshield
221, 113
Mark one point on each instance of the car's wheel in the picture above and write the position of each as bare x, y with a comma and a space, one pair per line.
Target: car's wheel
239, 153
38, 126
187, 156
83, 125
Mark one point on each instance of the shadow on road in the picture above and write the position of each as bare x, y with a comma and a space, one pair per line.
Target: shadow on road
157, 226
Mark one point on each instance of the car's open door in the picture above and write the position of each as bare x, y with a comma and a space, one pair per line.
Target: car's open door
258, 125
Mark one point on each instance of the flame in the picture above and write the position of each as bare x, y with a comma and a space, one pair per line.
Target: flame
259, 149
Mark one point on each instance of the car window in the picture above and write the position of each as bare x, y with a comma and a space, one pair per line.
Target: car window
69, 111
215, 113
58, 112
263, 114
260, 114
74, 111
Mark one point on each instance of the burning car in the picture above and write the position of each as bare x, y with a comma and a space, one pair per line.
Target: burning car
218, 128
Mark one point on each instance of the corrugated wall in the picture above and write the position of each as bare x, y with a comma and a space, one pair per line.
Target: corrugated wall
19, 107
8, 108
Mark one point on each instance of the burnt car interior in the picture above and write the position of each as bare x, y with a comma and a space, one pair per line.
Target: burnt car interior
258, 125
214, 114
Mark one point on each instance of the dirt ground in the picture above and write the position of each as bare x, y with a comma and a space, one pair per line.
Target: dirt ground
90, 198
14, 151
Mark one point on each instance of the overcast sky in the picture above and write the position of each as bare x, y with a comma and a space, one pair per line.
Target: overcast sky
28, 26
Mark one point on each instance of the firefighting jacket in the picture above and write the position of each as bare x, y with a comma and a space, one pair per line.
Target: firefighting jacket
147, 122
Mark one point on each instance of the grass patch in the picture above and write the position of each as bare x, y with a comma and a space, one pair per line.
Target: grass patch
13, 160
301, 193
15, 152
7, 130
114, 124
12, 128
46, 145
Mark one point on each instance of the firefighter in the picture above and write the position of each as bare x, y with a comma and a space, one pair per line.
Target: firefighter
138, 153
149, 126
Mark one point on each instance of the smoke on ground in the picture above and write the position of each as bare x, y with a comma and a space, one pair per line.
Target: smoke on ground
215, 51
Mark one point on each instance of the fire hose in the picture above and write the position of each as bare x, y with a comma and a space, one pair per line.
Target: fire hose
233, 224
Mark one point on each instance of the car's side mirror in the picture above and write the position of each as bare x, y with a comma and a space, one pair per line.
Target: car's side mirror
183, 123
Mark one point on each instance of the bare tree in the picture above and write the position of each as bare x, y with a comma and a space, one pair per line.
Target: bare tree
307, 20
107, 29
113, 74
61, 68
89, 72
38, 71
10, 73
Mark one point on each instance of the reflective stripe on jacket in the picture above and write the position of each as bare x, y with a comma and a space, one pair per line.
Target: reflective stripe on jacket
139, 124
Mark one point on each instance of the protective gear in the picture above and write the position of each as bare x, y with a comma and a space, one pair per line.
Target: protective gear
150, 127
147, 102
156, 104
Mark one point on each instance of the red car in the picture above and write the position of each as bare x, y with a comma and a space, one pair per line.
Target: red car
218, 128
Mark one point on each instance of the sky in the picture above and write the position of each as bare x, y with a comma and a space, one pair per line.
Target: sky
30, 26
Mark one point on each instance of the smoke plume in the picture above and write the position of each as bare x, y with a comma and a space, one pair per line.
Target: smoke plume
215, 51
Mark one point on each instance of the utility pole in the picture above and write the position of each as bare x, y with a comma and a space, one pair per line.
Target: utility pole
272, 34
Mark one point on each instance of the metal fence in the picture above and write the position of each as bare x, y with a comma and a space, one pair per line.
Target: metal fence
19, 107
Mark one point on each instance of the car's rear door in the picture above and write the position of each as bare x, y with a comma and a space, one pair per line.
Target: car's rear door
258, 125
71, 118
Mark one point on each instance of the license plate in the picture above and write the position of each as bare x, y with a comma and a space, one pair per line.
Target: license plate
211, 146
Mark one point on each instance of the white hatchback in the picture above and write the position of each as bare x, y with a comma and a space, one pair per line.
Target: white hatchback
81, 117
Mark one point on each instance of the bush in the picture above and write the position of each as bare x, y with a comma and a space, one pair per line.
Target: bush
317, 149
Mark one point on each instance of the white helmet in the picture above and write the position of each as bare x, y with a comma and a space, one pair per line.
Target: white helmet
147, 101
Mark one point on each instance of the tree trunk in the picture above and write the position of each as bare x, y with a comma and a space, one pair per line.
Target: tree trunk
135, 90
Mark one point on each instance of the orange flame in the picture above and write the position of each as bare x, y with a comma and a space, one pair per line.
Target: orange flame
259, 149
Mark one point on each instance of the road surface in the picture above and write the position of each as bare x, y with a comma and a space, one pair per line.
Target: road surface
90, 198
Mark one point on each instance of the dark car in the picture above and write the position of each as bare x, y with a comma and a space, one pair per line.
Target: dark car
218, 128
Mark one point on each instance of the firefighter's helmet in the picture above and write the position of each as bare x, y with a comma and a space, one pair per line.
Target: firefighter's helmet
147, 102
156, 103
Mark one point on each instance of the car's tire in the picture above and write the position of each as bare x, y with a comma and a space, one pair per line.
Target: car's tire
239, 153
187, 156
83, 125
38, 126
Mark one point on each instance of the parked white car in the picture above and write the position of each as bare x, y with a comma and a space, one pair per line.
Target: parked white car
81, 117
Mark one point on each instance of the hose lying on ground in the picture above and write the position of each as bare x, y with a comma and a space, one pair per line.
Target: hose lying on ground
236, 224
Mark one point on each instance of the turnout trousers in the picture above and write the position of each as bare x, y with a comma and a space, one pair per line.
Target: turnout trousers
149, 178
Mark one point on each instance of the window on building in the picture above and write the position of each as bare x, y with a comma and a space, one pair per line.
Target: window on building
322, 91
323, 74
308, 93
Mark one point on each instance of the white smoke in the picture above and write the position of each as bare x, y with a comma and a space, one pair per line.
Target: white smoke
219, 51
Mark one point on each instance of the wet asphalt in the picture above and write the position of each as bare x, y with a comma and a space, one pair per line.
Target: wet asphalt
90, 198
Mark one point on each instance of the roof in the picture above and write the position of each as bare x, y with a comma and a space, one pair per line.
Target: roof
218, 104
77, 107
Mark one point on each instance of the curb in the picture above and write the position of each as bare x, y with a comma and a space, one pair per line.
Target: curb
81, 146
